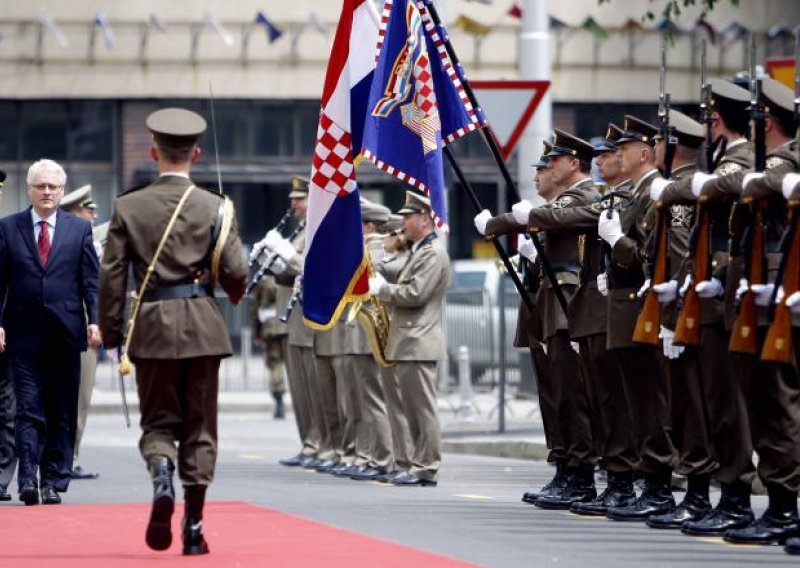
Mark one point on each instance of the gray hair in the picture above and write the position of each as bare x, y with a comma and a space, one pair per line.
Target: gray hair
48, 165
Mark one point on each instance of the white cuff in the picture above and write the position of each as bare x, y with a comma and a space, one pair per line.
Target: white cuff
790, 182
699, 179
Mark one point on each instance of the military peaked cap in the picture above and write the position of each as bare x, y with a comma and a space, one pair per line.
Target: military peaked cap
299, 188
77, 198
415, 203
565, 144
637, 130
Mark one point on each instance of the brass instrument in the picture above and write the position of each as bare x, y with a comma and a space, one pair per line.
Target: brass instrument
372, 314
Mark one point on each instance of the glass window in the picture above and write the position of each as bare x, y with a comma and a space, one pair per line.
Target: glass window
273, 128
8, 128
44, 130
90, 135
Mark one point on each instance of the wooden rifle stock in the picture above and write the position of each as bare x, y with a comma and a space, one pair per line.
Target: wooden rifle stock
648, 324
744, 338
777, 345
687, 328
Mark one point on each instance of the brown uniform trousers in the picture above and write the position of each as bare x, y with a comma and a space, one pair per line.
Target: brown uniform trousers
178, 343
722, 404
610, 424
645, 389
572, 420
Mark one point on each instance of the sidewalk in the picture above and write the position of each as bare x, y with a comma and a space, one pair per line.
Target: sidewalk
466, 429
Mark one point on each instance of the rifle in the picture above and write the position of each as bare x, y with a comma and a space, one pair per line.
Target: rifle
779, 336
648, 323
744, 338
687, 328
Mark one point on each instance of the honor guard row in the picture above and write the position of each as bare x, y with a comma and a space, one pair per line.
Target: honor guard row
677, 350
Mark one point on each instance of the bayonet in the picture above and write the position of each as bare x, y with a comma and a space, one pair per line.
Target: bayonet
121, 378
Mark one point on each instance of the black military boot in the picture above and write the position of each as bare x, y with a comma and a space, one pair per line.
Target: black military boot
778, 523
280, 410
193, 541
556, 484
579, 488
695, 506
656, 499
618, 493
732, 512
159, 531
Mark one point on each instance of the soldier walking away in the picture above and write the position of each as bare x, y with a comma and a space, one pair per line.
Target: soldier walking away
181, 240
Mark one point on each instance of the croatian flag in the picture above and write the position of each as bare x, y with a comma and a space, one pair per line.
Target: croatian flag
336, 270
417, 103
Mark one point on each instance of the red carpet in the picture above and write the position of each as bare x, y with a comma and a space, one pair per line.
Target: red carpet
239, 534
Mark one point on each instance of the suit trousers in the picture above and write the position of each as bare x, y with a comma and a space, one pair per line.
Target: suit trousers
773, 401
612, 430
548, 405
332, 441
721, 375
88, 371
305, 403
373, 411
348, 390
572, 408
417, 380
178, 405
689, 422
8, 445
647, 406
46, 388
402, 448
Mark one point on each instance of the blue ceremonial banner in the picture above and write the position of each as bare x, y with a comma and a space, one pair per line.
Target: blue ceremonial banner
417, 102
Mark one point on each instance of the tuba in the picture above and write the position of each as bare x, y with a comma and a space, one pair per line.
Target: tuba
372, 315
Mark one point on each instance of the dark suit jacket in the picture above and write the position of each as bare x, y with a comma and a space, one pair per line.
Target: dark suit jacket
63, 292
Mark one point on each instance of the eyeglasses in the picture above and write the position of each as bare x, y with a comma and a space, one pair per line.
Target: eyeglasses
43, 186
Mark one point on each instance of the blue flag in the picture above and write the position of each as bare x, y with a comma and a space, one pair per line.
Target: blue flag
417, 102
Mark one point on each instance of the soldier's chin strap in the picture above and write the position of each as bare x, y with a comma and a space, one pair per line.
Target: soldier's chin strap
125, 365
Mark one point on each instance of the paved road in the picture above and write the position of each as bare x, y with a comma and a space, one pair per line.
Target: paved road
475, 513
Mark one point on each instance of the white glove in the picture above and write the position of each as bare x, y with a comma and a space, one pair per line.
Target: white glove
285, 250
763, 293
699, 179
790, 181
575, 347
744, 286
526, 248
709, 288
602, 283
376, 283
657, 188
610, 230
666, 291
671, 351
278, 265
256, 251
272, 238
750, 177
481, 219
521, 211
793, 302
685, 286
643, 290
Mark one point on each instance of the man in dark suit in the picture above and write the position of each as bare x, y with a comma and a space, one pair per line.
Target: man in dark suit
8, 447
48, 276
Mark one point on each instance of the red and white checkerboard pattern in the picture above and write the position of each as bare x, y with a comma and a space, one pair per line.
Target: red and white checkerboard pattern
332, 165
423, 85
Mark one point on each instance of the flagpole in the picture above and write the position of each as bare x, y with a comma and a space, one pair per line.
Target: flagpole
497, 244
498, 158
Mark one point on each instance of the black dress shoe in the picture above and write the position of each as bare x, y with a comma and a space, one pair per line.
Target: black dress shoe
159, 530
29, 494
193, 541
294, 461
4, 495
774, 527
78, 472
325, 466
369, 474
408, 480
389, 475
49, 496
350, 470
338, 469
694, 507
792, 546
313, 463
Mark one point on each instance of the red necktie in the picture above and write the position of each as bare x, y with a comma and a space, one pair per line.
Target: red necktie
44, 242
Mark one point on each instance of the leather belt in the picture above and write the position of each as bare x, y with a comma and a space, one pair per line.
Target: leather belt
178, 292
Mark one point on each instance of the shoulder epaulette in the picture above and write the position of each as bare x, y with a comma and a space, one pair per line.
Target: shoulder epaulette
135, 188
